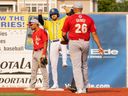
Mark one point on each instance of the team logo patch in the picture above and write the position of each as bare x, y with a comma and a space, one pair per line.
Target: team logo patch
80, 16
52, 10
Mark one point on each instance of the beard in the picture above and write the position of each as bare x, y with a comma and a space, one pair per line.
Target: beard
33, 28
54, 19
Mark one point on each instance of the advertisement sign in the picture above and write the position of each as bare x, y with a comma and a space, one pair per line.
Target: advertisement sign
15, 60
108, 70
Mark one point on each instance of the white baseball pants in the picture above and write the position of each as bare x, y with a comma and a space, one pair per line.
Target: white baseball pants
54, 55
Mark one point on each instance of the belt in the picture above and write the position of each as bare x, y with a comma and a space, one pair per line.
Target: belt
38, 49
79, 39
55, 40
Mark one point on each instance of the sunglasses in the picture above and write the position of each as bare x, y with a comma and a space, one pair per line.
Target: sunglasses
30, 24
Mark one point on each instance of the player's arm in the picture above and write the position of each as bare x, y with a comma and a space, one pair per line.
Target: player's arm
43, 58
65, 29
45, 39
45, 49
95, 36
68, 10
40, 18
96, 39
71, 12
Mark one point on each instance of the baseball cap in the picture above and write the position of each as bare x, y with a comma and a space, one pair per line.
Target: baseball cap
77, 5
34, 21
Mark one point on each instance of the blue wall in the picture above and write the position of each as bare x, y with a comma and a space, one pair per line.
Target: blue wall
111, 68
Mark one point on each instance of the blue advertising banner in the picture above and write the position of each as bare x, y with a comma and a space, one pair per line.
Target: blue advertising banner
108, 70
104, 71
111, 68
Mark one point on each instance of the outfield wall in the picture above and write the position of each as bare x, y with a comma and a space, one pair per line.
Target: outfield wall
107, 71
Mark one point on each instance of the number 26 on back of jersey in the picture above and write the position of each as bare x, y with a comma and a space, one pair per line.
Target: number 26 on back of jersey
81, 28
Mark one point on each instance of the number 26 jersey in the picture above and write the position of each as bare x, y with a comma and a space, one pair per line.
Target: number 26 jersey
79, 26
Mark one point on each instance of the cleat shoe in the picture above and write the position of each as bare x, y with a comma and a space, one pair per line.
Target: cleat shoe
69, 87
65, 65
80, 91
54, 87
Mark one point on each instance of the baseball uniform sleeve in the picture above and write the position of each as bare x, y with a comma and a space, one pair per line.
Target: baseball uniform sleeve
46, 24
41, 20
92, 27
45, 40
44, 36
66, 25
62, 20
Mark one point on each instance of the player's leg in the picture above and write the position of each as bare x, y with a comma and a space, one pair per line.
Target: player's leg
44, 73
54, 54
75, 54
33, 73
34, 70
85, 52
64, 55
45, 78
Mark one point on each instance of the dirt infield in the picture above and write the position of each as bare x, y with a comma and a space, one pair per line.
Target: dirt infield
92, 92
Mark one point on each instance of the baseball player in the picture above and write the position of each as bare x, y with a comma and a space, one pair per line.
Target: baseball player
54, 27
79, 27
40, 40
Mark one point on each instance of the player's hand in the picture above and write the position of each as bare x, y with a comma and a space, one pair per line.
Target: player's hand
63, 6
43, 56
44, 60
67, 9
101, 51
64, 40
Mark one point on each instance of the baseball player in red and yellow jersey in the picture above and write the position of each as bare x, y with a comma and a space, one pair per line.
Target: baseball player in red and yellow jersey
40, 40
79, 27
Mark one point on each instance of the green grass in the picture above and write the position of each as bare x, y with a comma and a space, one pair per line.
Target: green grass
16, 94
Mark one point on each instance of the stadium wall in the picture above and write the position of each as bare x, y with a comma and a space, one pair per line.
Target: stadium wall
104, 71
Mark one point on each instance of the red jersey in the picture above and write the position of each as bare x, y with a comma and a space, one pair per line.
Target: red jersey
39, 37
79, 26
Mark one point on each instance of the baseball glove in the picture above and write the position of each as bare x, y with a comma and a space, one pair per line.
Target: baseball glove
64, 40
44, 61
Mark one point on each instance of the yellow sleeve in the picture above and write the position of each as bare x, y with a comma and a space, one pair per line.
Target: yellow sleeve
62, 21
46, 24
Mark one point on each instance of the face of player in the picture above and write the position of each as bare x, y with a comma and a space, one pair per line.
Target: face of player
33, 26
54, 17
77, 10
